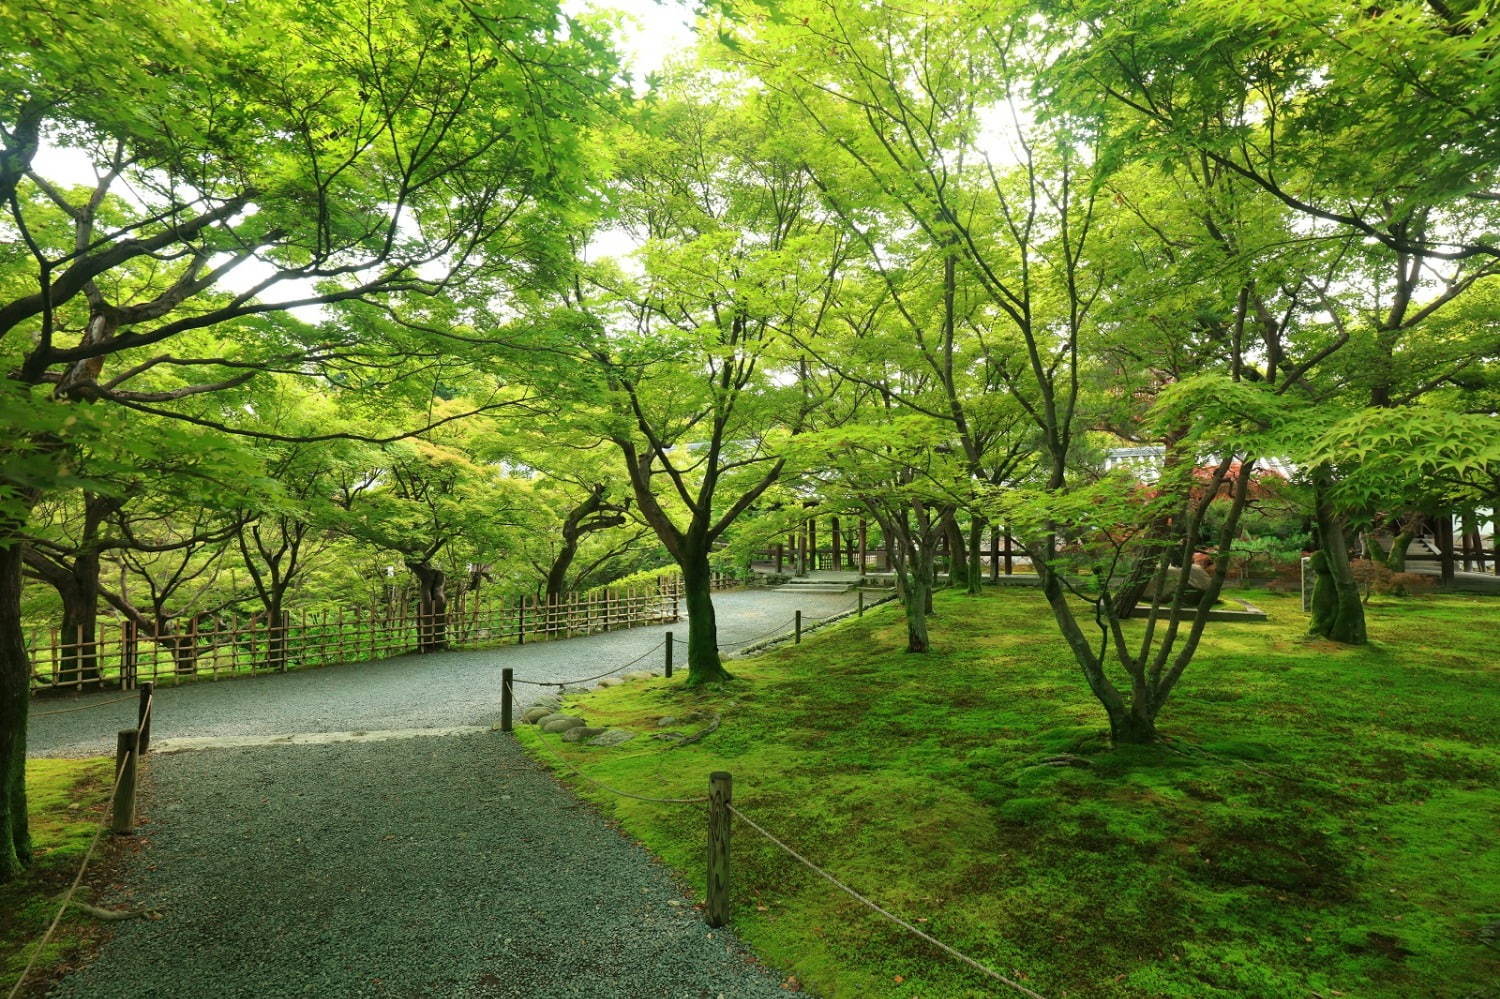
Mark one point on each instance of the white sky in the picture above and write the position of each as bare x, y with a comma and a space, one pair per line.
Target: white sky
654, 30
651, 32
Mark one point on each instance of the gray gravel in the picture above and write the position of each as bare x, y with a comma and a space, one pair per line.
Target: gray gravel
429, 867
438, 690
422, 866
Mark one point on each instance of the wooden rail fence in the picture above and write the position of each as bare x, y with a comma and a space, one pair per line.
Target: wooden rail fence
123, 655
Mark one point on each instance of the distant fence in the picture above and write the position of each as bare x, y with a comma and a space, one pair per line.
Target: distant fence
123, 655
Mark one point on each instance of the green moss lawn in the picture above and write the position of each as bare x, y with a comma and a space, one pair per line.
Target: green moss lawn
1322, 822
67, 799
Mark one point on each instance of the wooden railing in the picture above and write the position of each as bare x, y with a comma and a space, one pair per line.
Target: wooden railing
124, 656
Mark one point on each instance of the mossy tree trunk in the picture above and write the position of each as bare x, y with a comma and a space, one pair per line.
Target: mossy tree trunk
704, 663
1337, 611
15, 700
912, 533
976, 556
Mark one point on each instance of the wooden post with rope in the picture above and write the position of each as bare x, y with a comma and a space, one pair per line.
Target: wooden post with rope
861, 603
122, 807
143, 717
798, 640
667, 664
507, 676
720, 796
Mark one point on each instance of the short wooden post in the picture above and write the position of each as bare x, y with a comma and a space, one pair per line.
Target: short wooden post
507, 677
720, 787
861, 603
799, 628
143, 717
122, 808
667, 665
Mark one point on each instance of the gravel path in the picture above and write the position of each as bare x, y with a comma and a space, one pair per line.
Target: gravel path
437, 690
430, 867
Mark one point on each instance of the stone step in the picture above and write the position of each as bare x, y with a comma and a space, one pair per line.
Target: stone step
815, 588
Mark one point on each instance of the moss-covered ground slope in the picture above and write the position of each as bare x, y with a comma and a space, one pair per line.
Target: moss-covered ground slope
67, 799
1321, 822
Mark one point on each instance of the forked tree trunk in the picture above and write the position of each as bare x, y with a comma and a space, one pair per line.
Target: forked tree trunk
914, 564
704, 664
1338, 614
15, 699
918, 595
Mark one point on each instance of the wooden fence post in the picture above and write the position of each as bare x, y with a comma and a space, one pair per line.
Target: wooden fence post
143, 717
127, 653
122, 808
668, 664
506, 678
720, 788
861, 603
799, 629
521, 621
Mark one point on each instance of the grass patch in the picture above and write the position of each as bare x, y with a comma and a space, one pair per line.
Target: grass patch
67, 799
1322, 822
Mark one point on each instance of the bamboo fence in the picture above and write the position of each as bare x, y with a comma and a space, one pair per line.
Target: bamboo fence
123, 655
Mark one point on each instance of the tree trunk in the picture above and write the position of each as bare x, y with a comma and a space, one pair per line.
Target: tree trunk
958, 559
1133, 590
557, 574
1472, 545
80, 615
15, 700
975, 555
918, 596
184, 649
1395, 559
276, 634
1444, 528
1338, 614
704, 665
1495, 536
432, 607
1132, 727
575, 526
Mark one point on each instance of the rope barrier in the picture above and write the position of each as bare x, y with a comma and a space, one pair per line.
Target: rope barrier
770, 634
991, 972
81, 707
588, 679
83, 867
